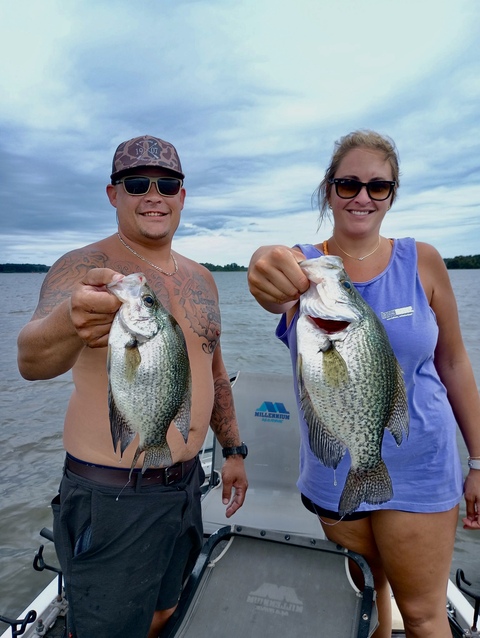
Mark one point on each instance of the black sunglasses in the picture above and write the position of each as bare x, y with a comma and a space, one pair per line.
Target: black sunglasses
377, 189
140, 185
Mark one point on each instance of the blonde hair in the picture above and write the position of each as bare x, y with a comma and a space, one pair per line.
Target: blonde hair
357, 139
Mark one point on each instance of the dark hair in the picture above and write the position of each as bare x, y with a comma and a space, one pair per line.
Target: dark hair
358, 139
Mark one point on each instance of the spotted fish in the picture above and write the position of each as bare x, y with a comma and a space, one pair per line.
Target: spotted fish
350, 383
148, 371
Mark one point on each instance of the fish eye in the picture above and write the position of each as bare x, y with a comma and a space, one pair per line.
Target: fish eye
149, 301
346, 284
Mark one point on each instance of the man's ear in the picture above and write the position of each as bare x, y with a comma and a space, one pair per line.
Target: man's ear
112, 194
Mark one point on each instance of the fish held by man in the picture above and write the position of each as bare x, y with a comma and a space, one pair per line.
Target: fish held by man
148, 372
350, 383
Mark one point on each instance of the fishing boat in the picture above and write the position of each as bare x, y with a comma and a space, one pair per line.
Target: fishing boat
289, 580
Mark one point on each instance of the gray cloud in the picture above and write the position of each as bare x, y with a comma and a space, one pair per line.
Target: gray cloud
254, 118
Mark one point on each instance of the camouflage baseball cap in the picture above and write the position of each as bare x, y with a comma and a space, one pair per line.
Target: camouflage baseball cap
145, 151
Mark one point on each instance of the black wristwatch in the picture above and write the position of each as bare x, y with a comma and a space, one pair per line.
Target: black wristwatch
239, 449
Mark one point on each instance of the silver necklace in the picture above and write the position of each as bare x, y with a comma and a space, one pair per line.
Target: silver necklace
358, 258
169, 274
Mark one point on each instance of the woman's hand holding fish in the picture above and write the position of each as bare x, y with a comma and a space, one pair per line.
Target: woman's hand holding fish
234, 484
275, 279
472, 500
93, 308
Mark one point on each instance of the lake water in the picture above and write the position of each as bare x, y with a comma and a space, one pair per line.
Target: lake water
31, 452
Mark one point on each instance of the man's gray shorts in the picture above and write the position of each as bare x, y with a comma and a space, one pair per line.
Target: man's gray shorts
125, 552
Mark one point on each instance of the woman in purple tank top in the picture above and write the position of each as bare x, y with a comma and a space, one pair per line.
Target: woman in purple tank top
408, 540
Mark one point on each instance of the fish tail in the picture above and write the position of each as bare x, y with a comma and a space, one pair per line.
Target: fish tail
372, 485
155, 456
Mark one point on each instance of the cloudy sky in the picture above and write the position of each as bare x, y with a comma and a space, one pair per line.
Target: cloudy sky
253, 93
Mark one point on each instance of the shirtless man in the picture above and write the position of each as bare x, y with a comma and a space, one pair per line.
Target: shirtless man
124, 558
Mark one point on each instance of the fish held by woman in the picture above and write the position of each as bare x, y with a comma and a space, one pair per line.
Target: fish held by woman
148, 371
350, 383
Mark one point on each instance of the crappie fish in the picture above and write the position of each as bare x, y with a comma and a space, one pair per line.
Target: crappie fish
148, 371
350, 383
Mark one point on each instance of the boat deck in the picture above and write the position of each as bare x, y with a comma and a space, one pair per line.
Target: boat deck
273, 503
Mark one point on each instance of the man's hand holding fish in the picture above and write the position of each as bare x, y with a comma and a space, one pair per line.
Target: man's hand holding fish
92, 309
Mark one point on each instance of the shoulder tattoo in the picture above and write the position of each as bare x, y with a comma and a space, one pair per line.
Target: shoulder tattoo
63, 275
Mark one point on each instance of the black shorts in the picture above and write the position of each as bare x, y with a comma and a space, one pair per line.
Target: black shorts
125, 552
321, 511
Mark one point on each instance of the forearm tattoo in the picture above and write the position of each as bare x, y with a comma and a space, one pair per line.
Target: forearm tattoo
223, 414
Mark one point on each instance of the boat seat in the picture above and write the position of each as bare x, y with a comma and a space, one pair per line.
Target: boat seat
261, 584
266, 411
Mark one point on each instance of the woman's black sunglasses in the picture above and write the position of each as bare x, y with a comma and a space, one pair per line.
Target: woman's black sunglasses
377, 189
140, 185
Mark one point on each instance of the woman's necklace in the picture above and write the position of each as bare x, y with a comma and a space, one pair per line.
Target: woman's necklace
169, 274
325, 245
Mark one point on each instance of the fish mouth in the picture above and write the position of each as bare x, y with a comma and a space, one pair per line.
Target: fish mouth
329, 325
131, 285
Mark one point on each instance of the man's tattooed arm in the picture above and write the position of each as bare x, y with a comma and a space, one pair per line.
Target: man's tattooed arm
74, 311
63, 275
223, 421
224, 424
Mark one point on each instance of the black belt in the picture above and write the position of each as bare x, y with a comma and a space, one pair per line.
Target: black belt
119, 476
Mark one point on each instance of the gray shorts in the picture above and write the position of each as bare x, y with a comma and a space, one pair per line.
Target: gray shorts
125, 553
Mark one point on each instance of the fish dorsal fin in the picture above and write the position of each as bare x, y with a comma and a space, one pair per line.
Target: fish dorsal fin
182, 418
324, 444
398, 423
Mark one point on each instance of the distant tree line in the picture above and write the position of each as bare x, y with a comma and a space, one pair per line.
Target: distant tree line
24, 268
470, 261
452, 263
42, 268
228, 268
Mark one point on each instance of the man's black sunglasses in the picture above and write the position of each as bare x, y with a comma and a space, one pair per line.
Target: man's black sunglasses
140, 185
377, 189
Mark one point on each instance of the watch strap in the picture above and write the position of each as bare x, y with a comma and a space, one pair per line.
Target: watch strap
241, 449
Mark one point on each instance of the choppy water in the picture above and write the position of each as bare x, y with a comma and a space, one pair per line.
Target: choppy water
31, 451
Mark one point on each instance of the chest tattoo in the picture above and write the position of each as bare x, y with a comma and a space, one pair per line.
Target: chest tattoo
201, 310
192, 295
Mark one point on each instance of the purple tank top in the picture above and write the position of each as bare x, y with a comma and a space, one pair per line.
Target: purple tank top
425, 469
